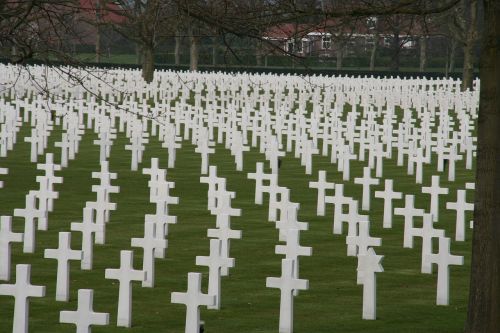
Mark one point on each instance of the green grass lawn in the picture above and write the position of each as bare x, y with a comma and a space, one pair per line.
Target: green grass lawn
405, 297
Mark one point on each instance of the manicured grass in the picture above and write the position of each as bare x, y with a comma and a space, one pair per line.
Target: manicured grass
406, 298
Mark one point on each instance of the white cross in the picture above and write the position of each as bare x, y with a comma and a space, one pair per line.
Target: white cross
161, 219
388, 195
346, 158
276, 205
84, 316
87, 227
125, 275
292, 250
136, 146
409, 212
224, 233
30, 213
100, 207
213, 181
444, 259
193, 298
6, 238
237, 148
359, 243
289, 220
460, 206
419, 159
215, 262
105, 144
45, 196
223, 203
160, 191
154, 171
149, 243
353, 218
65, 145
368, 265
171, 144
105, 178
434, 190
63, 254
50, 168
287, 283
36, 140
204, 149
22, 290
259, 177
453, 157
427, 232
273, 154
366, 181
469, 149
322, 185
338, 200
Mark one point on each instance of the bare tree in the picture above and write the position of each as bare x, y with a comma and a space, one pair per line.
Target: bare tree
373, 25
462, 26
146, 23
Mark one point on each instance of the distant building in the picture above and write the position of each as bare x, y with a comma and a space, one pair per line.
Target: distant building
325, 39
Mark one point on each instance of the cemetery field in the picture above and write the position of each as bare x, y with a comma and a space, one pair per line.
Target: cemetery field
406, 298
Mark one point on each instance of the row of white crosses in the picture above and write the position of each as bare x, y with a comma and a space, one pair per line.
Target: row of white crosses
284, 213
22, 289
42, 126
96, 215
358, 240
35, 214
70, 139
84, 317
301, 127
305, 132
106, 135
218, 261
154, 242
10, 122
138, 138
39, 203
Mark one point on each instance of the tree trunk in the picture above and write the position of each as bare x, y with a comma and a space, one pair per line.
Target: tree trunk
98, 31
138, 54
177, 50
148, 63
193, 57
453, 52
484, 294
423, 53
469, 49
374, 52
193, 52
258, 53
396, 49
98, 43
339, 58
